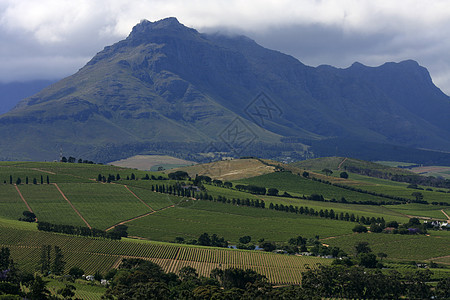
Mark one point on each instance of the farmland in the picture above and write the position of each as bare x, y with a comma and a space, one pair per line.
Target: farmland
101, 255
75, 196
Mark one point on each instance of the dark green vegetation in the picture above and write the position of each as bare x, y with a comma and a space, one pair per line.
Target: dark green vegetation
168, 89
206, 211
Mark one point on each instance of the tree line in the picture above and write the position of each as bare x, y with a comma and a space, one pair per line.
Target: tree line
111, 177
146, 280
18, 180
116, 234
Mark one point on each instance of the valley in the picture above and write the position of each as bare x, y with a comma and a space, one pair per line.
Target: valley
157, 221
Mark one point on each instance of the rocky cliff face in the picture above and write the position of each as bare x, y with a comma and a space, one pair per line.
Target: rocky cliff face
167, 82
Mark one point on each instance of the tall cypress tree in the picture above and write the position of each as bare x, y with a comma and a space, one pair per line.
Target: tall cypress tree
45, 259
58, 263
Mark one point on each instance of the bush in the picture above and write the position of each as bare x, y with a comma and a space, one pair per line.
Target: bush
359, 229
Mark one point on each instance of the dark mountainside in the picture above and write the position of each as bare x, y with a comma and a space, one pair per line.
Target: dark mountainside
167, 84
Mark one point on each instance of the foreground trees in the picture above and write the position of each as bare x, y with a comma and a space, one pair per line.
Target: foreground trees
137, 279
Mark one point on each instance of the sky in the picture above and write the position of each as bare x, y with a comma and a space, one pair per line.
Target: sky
51, 39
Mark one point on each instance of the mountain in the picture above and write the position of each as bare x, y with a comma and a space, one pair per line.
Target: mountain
167, 83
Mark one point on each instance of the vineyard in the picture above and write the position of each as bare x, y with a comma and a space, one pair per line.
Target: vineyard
102, 255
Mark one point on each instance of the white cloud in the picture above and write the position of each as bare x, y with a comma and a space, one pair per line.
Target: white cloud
56, 37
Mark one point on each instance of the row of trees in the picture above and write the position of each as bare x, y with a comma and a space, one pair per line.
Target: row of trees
253, 189
72, 159
116, 234
412, 227
47, 264
117, 177
329, 214
27, 181
205, 240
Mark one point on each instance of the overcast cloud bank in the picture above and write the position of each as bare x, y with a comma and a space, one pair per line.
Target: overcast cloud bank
50, 39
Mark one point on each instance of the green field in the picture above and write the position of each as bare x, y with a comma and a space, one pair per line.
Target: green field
233, 222
399, 247
49, 206
162, 217
103, 205
93, 255
11, 206
297, 185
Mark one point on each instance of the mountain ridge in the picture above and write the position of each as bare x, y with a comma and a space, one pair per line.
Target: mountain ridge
168, 82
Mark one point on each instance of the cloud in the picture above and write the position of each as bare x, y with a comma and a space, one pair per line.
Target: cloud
54, 38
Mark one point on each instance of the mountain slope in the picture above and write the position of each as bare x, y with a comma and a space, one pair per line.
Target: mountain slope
168, 83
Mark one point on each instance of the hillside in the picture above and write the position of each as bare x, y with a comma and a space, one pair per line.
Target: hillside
151, 162
343, 163
229, 169
167, 83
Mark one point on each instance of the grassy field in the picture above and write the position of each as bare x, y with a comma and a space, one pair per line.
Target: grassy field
297, 185
49, 206
11, 205
104, 205
399, 247
101, 255
230, 169
164, 217
436, 171
232, 222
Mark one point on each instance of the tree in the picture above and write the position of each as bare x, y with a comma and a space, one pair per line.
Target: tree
382, 255
327, 172
45, 259
121, 230
228, 184
418, 196
67, 291
362, 247
18, 181
76, 272
204, 240
4, 258
38, 289
368, 260
48, 180
64, 159
58, 262
393, 224
42, 179
305, 174
34, 180
359, 228
245, 239
28, 216
272, 192
26, 180
343, 175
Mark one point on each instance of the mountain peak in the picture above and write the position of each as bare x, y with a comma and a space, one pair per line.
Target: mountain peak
166, 26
